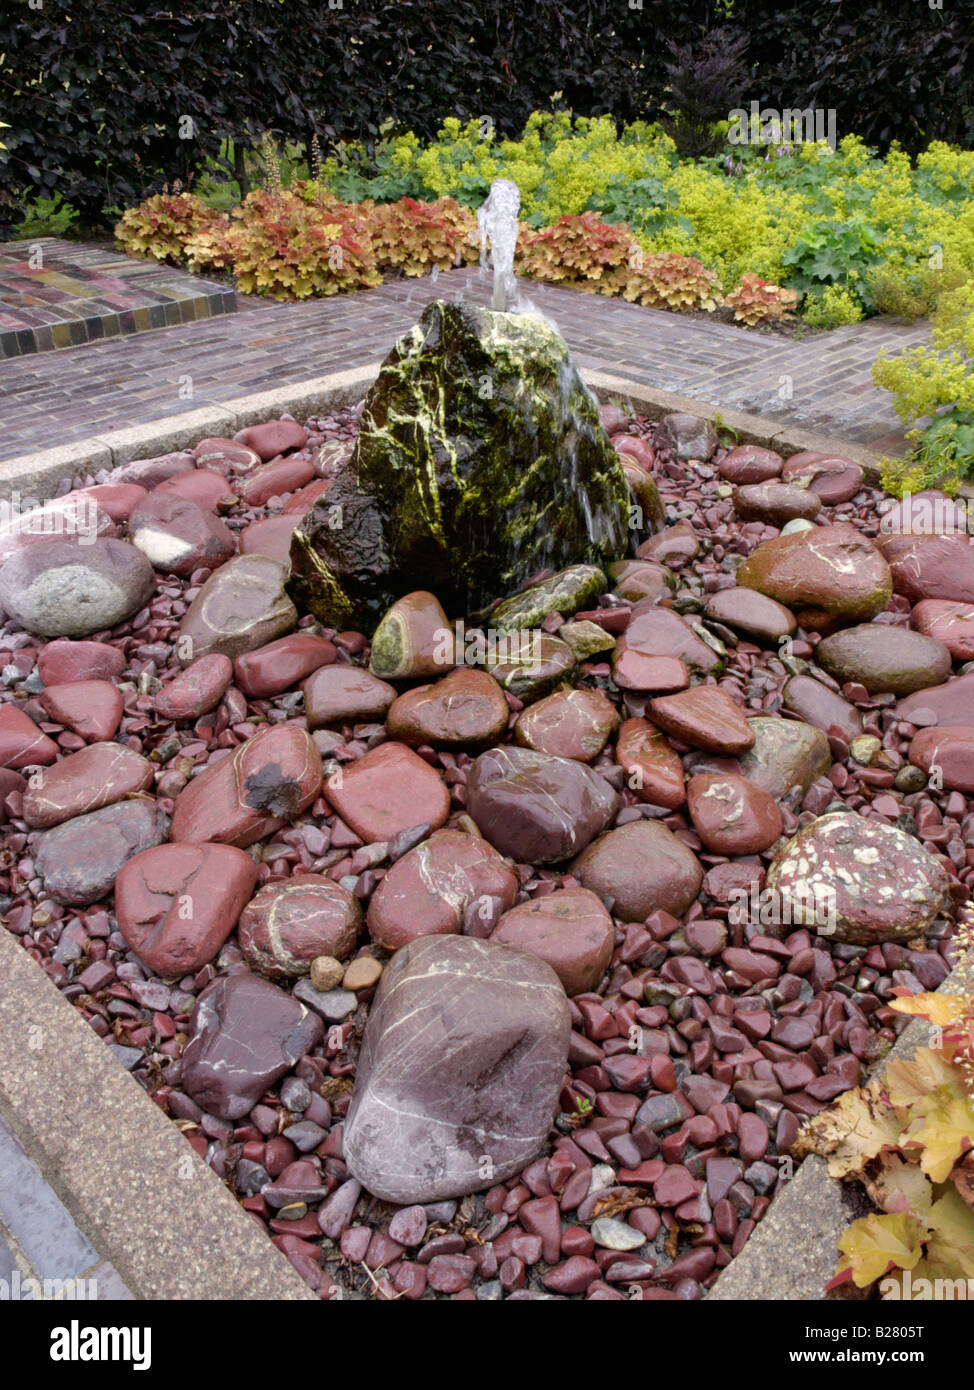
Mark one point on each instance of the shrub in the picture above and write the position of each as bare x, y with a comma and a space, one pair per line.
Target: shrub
161, 226
705, 80
755, 301
927, 380
579, 252
832, 308
414, 237
908, 1137
283, 246
665, 280
583, 252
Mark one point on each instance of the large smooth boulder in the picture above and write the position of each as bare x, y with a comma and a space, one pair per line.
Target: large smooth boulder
570, 929
463, 1056
480, 460
242, 606
96, 776
256, 789
177, 904
826, 575
884, 658
387, 790
80, 859
639, 868
656, 632
931, 566
69, 590
950, 703
949, 621
572, 589
246, 1033
466, 709
536, 808
431, 890
568, 724
178, 536
858, 881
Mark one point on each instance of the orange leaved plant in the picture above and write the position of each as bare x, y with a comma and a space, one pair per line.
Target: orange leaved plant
755, 301
161, 225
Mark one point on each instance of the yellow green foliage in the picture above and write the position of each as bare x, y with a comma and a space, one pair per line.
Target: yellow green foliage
908, 1137
161, 225
832, 308
924, 380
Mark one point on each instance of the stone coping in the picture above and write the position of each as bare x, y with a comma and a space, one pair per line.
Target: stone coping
144, 1198
38, 474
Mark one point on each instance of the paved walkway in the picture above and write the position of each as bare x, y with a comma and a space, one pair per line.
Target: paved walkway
57, 294
821, 382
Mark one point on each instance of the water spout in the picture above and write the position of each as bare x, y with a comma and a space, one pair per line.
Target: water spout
497, 219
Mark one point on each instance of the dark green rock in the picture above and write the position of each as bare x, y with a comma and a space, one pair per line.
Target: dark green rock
530, 664
480, 460
566, 592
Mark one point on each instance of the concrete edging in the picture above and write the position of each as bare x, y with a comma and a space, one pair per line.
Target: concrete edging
144, 1198
38, 474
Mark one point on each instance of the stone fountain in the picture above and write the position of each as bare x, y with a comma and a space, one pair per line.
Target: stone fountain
480, 460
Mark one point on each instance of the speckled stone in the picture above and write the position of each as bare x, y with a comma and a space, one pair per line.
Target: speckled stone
858, 881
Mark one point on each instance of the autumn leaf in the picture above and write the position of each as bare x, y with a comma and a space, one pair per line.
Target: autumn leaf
952, 1241
854, 1128
874, 1243
944, 1126
911, 1079
899, 1186
938, 1009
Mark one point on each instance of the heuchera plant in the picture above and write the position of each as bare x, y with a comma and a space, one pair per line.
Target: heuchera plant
280, 245
583, 252
414, 237
755, 301
161, 225
908, 1137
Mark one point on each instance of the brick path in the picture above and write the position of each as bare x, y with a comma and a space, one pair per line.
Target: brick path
57, 294
821, 382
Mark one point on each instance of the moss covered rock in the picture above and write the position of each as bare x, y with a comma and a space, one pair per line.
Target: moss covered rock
480, 460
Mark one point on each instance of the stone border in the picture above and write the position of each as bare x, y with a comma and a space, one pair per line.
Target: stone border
145, 1199
792, 1253
37, 474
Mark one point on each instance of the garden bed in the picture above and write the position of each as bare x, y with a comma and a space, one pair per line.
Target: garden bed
825, 1017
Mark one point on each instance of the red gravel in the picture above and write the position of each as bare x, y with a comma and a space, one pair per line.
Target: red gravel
738, 1035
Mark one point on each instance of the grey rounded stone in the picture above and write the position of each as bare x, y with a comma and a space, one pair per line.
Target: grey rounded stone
72, 590
458, 1078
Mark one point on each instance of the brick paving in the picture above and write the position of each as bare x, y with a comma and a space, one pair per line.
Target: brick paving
60, 294
819, 382
43, 1254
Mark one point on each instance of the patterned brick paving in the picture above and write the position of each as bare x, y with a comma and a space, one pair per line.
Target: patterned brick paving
821, 381
59, 294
